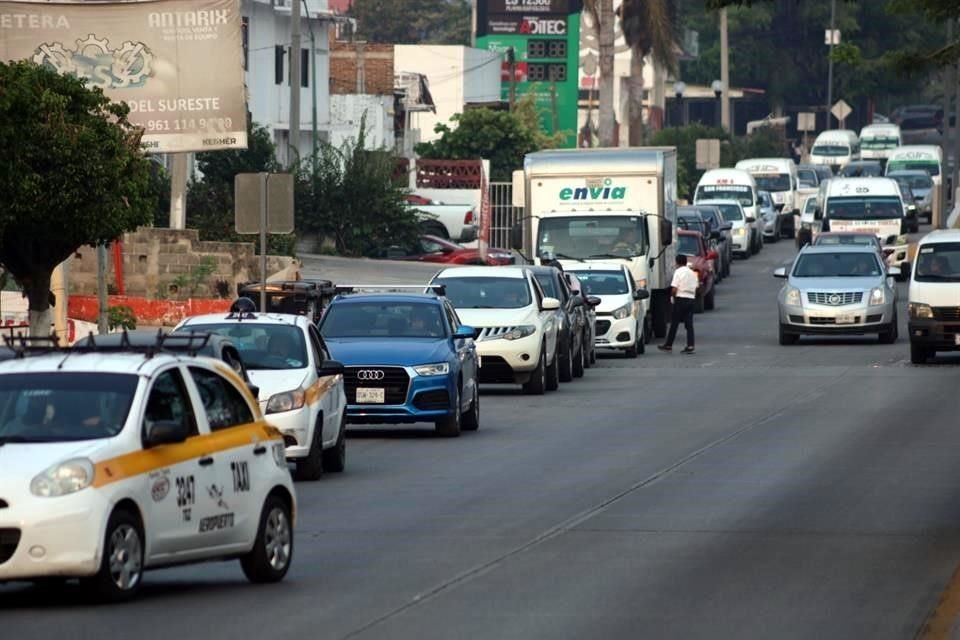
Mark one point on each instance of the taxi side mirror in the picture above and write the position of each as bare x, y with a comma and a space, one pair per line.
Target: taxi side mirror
165, 432
255, 390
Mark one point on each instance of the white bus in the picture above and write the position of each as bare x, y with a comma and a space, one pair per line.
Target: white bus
835, 148
779, 177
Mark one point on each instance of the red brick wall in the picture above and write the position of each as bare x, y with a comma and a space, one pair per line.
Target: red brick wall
377, 66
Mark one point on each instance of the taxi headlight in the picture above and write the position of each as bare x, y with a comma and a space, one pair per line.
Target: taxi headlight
738, 231
920, 311
438, 369
877, 296
63, 478
623, 312
286, 401
519, 332
793, 297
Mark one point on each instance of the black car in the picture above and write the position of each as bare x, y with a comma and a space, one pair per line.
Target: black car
572, 339
862, 169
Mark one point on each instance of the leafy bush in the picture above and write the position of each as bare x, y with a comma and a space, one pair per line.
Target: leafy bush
121, 317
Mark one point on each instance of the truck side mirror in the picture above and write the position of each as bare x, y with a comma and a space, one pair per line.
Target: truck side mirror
516, 236
666, 232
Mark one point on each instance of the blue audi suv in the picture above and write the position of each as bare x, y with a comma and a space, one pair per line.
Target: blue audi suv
407, 358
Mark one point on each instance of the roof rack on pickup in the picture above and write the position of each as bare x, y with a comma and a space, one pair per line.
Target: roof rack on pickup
188, 343
436, 289
297, 297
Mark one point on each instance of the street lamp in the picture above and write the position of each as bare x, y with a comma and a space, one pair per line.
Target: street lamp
717, 87
679, 88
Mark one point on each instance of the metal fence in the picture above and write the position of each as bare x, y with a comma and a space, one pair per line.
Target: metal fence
504, 214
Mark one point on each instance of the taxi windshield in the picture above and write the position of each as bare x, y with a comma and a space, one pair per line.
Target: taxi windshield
263, 346
64, 407
383, 319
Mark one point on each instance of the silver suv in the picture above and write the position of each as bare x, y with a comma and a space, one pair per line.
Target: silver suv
837, 290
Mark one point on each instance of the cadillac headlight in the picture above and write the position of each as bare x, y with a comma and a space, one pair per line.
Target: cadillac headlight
920, 311
63, 478
793, 297
738, 231
438, 369
877, 296
286, 401
520, 332
623, 312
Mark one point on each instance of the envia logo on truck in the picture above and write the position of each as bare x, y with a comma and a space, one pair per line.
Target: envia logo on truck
596, 189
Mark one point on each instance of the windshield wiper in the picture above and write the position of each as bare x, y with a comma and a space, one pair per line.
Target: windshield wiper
21, 440
608, 255
483, 306
566, 257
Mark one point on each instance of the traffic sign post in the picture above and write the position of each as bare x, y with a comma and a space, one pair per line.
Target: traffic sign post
806, 122
263, 203
840, 111
708, 153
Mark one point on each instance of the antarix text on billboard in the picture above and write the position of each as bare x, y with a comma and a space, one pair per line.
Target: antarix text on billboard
545, 37
177, 63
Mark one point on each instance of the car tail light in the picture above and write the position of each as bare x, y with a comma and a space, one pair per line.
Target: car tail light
468, 217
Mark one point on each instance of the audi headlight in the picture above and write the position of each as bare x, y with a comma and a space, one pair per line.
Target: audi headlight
623, 312
286, 401
920, 311
520, 332
739, 231
63, 478
877, 296
793, 297
438, 369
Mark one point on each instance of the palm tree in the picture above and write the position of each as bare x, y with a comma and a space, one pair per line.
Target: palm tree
649, 29
602, 14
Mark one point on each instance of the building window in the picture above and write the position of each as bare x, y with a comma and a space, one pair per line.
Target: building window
245, 37
278, 53
305, 67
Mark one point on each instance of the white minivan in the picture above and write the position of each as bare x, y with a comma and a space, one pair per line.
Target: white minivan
737, 185
835, 148
934, 323
878, 140
779, 177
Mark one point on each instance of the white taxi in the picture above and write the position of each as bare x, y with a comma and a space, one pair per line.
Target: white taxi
112, 463
301, 389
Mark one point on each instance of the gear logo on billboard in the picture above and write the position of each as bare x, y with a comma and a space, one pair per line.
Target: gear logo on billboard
103, 66
542, 27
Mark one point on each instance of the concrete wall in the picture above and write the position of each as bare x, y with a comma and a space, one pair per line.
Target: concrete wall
346, 111
153, 259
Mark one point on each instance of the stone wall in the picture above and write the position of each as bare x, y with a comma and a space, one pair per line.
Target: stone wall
170, 263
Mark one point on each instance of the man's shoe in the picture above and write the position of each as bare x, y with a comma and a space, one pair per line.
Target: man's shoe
688, 350
664, 347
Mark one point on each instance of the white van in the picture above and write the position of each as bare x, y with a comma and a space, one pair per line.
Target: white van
733, 184
878, 140
779, 177
934, 292
871, 205
835, 148
927, 158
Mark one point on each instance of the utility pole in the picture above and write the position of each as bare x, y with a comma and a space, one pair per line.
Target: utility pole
949, 138
313, 84
724, 72
103, 325
554, 112
833, 20
294, 142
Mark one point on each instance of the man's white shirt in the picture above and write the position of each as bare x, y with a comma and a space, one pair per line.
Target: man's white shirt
686, 282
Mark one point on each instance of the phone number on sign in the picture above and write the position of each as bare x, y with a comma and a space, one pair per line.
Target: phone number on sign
190, 124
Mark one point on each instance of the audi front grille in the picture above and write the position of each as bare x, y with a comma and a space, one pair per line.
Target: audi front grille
393, 380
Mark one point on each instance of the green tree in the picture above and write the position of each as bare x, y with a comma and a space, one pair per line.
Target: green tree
421, 22
72, 174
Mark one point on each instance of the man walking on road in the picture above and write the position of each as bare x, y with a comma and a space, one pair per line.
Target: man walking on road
684, 295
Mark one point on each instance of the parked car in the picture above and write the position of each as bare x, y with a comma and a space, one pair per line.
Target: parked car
861, 169
837, 290
706, 220
620, 319
435, 249
723, 229
742, 229
517, 332
449, 221
769, 216
590, 311
572, 320
407, 358
701, 260
921, 184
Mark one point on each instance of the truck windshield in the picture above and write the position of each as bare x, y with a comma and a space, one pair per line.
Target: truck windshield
773, 182
830, 150
864, 208
932, 168
741, 193
938, 263
585, 237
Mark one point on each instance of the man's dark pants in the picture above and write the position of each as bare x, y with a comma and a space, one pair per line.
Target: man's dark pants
682, 312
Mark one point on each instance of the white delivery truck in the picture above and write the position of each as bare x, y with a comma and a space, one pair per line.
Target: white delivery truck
868, 205
878, 140
606, 205
779, 177
835, 148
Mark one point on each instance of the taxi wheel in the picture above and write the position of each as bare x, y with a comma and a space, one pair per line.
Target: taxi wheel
449, 426
335, 458
311, 467
471, 419
121, 568
272, 551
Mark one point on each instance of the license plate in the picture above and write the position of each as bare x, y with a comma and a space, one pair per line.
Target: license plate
846, 319
368, 395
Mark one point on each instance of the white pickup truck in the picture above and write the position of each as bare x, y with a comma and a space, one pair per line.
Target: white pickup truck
457, 222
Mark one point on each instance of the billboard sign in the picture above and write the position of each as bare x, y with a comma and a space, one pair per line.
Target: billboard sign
176, 63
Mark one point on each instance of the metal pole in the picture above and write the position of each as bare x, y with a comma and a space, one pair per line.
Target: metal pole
178, 190
263, 241
313, 84
724, 72
294, 143
833, 19
102, 324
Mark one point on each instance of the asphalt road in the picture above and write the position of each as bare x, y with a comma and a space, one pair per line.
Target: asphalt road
749, 491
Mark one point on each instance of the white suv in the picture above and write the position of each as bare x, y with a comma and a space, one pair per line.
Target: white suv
515, 322
620, 317
301, 389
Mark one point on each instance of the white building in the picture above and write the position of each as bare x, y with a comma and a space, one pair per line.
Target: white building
457, 76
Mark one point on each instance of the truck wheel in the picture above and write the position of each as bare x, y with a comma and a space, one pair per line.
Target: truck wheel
537, 383
661, 314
